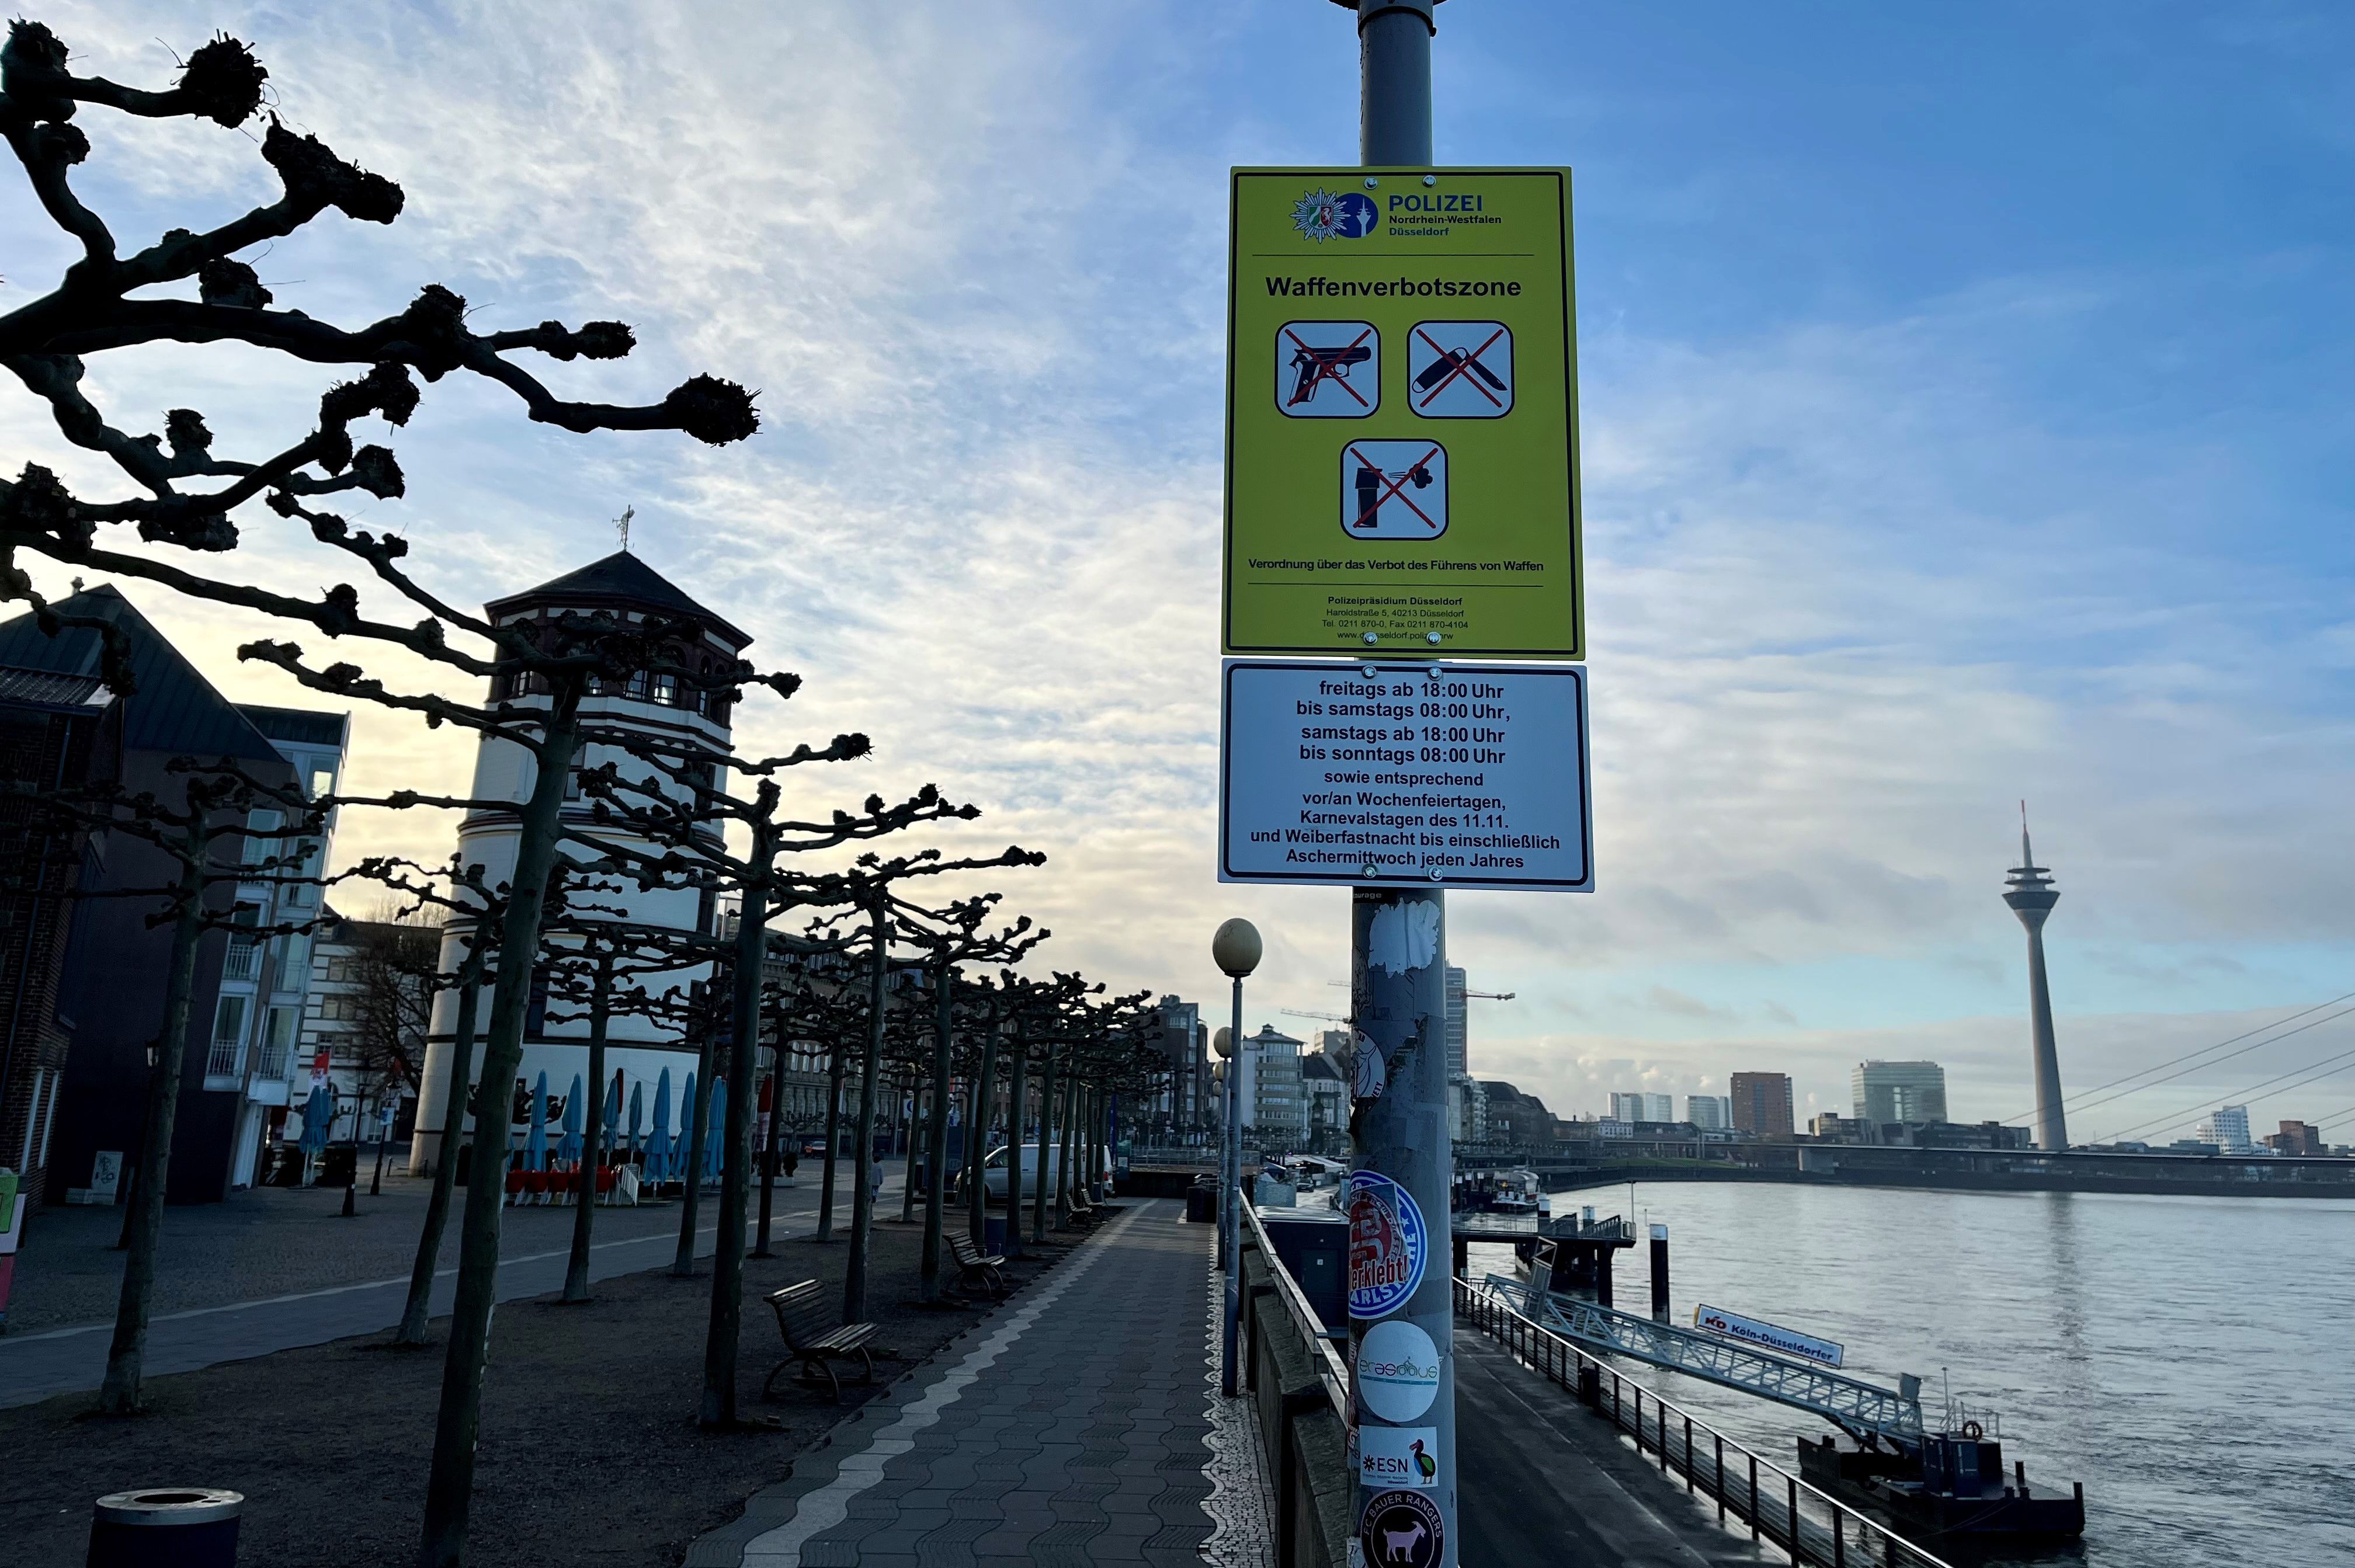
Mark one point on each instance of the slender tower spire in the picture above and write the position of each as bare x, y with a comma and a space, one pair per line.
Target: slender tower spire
2029, 890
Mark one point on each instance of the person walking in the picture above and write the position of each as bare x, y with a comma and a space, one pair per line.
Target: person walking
875, 1179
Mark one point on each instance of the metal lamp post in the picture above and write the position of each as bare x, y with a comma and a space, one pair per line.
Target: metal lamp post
1236, 949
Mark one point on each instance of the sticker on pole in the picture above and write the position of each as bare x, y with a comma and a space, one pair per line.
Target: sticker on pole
1402, 1530
1398, 1371
1398, 1455
1388, 1244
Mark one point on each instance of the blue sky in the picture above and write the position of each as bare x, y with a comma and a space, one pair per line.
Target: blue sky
1965, 402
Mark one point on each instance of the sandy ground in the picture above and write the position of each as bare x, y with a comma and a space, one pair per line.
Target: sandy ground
589, 1451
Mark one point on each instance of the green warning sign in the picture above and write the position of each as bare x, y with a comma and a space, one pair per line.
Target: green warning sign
1402, 415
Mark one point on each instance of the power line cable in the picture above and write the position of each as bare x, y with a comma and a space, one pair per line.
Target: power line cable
2322, 1069
2198, 1066
2071, 1100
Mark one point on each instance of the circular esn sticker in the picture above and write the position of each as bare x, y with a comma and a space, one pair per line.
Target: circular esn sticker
1402, 1530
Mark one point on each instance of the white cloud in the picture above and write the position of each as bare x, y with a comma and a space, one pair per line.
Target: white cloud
1853, 594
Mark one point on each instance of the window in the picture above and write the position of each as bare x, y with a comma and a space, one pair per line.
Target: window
322, 780
228, 1055
259, 843
337, 1009
278, 1042
342, 971
244, 960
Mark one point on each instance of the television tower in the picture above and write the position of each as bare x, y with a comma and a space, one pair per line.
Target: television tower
2029, 890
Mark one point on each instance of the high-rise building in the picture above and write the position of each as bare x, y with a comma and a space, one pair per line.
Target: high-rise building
2296, 1137
1659, 1108
1643, 1107
1626, 1108
1899, 1092
1275, 1103
1710, 1113
2227, 1127
2032, 896
1762, 1103
1459, 1047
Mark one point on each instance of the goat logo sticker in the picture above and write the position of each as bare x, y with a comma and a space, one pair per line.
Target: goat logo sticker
1388, 1244
1402, 1530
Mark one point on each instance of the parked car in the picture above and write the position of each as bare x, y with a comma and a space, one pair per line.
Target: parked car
994, 1170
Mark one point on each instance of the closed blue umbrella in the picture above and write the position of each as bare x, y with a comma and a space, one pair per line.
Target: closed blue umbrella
536, 1144
683, 1150
568, 1151
612, 1128
637, 1112
318, 1113
711, 1134
658, 1146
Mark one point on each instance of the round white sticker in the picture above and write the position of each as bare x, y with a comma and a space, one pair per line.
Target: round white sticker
1397, 1370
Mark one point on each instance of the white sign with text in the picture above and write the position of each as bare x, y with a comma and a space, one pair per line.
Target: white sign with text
1456, 774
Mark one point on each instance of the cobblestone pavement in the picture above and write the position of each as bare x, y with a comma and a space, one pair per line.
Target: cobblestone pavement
1070, 1428
1243, 1532
278, 1271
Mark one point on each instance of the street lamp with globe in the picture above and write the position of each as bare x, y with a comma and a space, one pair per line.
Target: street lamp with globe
1236, 949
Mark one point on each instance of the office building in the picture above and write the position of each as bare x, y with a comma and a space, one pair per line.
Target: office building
2227, 1127
1899, 1092
1274, 1100
1710, 1113
107, 1004
1762, 1103
2297, 1137
1459, 1045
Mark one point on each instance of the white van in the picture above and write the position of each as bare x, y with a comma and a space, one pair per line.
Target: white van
994, 1168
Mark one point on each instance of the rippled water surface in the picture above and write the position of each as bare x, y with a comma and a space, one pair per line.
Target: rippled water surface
2191, 1359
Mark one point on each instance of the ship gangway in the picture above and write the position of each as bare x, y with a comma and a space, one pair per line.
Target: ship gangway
1852, 1404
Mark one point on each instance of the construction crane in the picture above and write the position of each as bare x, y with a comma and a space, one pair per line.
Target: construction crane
1491, 996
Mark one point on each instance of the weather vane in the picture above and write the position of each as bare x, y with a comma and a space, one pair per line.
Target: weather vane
622, 524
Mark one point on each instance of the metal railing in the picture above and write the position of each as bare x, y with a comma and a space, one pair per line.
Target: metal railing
244, 960
1331, 1370
1800, 1519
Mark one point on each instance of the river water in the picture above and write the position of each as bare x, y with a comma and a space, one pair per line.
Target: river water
2191, 1359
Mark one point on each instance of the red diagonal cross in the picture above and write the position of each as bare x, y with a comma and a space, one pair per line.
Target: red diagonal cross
1469, 360
1338, 380
1394, 486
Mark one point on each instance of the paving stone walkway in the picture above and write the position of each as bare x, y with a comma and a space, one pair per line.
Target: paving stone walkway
34, 1367
1070, 1428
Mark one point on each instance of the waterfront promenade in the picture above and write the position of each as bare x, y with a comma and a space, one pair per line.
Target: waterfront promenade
1075, 1427
275, 1270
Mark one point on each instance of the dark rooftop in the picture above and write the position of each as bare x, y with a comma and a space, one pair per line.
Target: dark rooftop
296, 726
621, 581
47, 689
175, 710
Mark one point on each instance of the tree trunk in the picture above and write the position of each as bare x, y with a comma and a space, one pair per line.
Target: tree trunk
601, 1003
976, 1137
736, 1165
916, 1106
936, 1136
682, 1263
414, 1315
1017, 1118
765, 1157
1065, 1163
862, 1196
450, 1487
118, 1393
837, 1063
1046, 1125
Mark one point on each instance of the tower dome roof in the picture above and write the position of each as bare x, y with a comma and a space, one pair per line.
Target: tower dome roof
620, 582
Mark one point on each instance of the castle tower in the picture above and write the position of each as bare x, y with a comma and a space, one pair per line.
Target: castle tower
636, 1047
2029, 890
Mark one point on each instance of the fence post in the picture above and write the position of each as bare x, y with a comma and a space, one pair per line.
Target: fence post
1688, 1469
1793, 1508
1660, 1413
1839, 1538
1753, 1497
1721, 1477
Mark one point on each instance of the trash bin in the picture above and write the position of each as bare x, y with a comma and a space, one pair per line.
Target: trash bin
1202, 1204
993, 1235
165, 1527
1590, 1384
338, 1163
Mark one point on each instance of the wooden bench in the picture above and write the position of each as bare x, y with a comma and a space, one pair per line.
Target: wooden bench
976, 1266
814, 1339
1083, 1213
